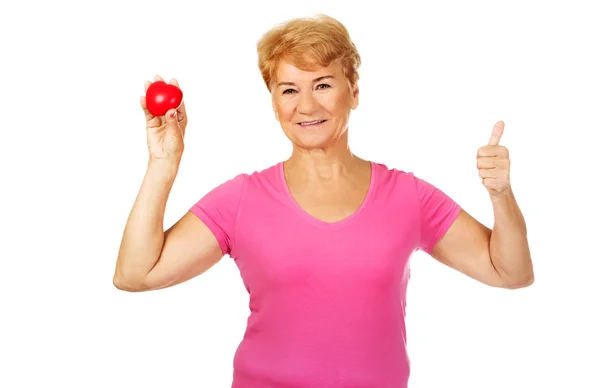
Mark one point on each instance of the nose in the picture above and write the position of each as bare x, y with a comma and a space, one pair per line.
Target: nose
307, 103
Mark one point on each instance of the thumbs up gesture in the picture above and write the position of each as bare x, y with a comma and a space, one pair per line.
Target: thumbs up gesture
493, 163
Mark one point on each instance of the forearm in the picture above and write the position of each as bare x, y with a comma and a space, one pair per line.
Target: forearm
143, 236
509, 247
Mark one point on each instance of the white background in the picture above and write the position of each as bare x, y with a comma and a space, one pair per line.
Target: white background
435, 78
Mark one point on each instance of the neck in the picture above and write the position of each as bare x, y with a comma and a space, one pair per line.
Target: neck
323, 164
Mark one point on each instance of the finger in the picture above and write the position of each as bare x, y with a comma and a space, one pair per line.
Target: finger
488, 173
158, 78
496, 173
181, 107
172, 121
171, 116
146, 86
486, 163
491, 183
149, 116
493, 163
496, 133
182, 119
493, 150
181, 113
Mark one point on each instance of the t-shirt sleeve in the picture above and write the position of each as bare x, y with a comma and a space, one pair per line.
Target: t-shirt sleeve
438, 212
218, 209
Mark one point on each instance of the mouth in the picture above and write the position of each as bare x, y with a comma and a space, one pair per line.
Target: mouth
313, 123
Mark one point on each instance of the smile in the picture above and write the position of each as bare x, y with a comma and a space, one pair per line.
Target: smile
311, 123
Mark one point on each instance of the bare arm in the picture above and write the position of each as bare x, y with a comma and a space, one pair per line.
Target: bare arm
150, 258
498, 257
509, 247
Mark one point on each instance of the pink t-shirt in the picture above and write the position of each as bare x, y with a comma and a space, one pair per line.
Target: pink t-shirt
327, 300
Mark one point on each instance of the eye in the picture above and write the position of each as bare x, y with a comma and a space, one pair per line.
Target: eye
289, 91
325, 86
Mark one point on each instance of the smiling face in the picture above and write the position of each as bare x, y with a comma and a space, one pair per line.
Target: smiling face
313, 107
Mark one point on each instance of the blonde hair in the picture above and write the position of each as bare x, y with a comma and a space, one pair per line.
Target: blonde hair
306, 43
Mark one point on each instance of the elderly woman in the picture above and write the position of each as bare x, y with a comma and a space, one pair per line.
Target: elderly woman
323, 239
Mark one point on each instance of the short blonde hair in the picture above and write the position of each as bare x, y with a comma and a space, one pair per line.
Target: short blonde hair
306, 43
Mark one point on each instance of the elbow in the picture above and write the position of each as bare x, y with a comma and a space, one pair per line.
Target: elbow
127, 284
525, 280
121, 284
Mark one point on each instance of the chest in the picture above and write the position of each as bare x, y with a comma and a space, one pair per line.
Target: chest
331, 206
292, 251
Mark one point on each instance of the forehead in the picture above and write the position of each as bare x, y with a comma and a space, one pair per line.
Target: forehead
287, 72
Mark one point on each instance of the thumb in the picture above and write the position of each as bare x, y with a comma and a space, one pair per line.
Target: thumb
496, 133
173, 122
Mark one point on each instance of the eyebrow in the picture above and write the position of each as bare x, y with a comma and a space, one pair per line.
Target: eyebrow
314, 81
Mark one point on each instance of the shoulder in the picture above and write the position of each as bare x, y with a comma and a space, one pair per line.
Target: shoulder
223, 201
260, 179
398, 176
410, 190
266, 174
434, 209
394, 178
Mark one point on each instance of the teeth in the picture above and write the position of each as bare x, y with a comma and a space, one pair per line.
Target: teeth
311, 122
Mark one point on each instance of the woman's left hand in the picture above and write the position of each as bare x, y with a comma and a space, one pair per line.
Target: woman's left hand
494, 164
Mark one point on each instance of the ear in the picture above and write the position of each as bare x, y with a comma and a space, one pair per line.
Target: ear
354, 91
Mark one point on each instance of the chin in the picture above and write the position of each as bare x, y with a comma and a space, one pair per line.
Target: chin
311, 137
314, 140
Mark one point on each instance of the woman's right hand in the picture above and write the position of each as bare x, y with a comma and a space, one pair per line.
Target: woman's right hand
165, 133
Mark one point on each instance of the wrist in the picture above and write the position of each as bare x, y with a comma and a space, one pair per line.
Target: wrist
499, 197
163, 167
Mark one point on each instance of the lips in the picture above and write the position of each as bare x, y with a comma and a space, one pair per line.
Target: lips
309, 123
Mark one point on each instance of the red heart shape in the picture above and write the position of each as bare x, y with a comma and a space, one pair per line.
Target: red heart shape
161, 96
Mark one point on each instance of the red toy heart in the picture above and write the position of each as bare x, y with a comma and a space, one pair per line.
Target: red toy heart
161, 96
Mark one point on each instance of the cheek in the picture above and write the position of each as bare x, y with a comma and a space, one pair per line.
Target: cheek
338, 106
285, 110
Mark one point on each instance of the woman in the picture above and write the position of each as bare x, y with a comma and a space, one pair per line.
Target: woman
323, 239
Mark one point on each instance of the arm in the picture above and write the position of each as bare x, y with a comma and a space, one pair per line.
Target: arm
498, 257
151, 259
